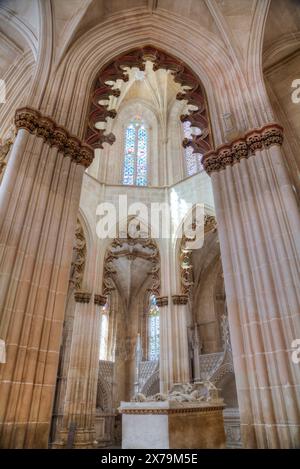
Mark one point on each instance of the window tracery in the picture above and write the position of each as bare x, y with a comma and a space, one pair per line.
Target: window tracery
192, 159
135, 154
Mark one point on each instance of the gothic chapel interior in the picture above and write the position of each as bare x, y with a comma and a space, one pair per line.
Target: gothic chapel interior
191, 105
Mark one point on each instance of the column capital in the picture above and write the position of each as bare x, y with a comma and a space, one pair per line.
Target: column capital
54, 135
180, 299
82, 296
243, 147
100, 299
162, 301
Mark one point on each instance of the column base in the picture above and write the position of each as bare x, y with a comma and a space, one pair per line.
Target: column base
83, 439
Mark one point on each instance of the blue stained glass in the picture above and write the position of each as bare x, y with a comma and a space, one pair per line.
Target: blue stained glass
141, 179
192, 160
135, 158
128, 177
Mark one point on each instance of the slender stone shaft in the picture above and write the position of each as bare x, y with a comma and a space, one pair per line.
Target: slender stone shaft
259, 228
39, 202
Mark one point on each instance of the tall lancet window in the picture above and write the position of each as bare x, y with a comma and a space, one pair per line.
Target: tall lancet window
104, 332
153, 329
192, 160
135, 158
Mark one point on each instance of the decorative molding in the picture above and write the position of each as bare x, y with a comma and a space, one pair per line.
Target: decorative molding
104, 400
232, 153
185, 255
118, 249
180, 410
104, 87
4, 150
79, 257
100, 299
180, 299
232, 428
162, 301
82, 297
57, 136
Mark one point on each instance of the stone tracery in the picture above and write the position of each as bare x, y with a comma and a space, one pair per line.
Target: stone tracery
105, 87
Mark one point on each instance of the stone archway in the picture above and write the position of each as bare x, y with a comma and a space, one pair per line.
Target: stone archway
192, 91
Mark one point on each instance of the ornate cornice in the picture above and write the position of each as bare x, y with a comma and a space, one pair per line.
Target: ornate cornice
180, 299
54, 135
100, 299
178, 410
243, 147
162, 301
82, 297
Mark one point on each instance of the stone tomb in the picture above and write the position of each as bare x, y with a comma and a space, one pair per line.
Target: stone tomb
170, 424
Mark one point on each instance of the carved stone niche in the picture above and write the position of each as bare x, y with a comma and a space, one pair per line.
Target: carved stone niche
121, 247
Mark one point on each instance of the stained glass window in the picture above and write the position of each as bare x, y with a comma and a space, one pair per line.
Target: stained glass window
104, 332
135, 158
153, 330
192, 160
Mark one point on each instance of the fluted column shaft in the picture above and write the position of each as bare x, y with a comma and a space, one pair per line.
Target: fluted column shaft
180, 349
39, 199
165, 365
174, 353
82, 377
259, 227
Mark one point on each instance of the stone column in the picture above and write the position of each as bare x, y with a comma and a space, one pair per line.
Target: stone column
165, 366
259, 228
79, 408
39, 199
180, 349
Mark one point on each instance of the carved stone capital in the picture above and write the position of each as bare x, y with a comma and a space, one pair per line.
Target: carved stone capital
82, 297
54, 135
162, 301
180, 299
229, 154
100, 299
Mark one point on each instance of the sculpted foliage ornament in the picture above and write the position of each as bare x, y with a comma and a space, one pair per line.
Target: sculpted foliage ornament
79, 257
5, 146
82, 297
228, 155
4, 150
130, 248
202, 392
105, 87
185, 256
55, 136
